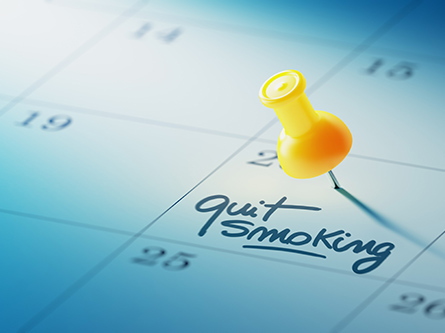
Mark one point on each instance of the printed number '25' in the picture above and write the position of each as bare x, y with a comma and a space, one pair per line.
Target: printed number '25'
152, 255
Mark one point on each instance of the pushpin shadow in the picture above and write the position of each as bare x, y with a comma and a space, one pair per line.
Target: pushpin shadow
368, 210
381, 219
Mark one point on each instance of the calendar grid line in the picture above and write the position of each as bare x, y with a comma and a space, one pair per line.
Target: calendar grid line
116, 231
134, 119
89, 275
271, 34
73, 56
362, 47
362, 306
384, 160
148, 121
310, 40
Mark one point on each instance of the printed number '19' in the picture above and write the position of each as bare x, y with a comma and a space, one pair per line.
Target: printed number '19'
54, 123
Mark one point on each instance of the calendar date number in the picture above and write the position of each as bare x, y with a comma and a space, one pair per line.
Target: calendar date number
51, 124
158, 256
266, 159
402, 70
411, 303
167, 36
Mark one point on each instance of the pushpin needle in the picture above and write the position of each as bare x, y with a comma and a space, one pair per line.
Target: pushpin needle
302, 149
335, 184
380, 219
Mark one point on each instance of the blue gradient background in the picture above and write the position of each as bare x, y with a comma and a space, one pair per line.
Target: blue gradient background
151, 120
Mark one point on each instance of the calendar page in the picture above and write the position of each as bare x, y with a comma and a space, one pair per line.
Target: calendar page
140, 186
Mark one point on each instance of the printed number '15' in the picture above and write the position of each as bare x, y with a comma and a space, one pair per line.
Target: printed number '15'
401, 71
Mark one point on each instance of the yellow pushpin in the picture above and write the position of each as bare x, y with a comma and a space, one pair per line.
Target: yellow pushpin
312, 142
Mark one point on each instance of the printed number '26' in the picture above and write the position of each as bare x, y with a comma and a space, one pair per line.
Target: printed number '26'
411, 303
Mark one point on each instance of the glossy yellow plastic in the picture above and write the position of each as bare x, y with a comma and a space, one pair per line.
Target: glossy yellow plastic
311, 142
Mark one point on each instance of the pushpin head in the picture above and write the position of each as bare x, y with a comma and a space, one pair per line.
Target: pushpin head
311, 142
282, 88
